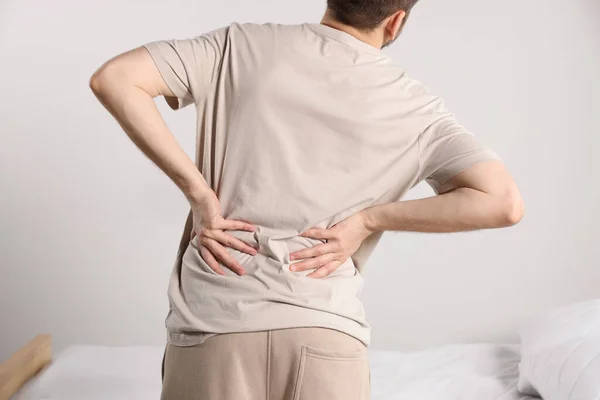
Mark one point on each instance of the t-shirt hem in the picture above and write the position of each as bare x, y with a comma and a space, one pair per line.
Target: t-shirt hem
454, 168
194, 339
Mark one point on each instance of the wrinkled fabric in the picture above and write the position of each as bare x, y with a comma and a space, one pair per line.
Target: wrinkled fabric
297, 126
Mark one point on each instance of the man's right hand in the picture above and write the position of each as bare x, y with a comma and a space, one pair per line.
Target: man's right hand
209, 229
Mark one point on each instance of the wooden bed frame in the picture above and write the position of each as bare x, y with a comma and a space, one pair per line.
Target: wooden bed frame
26, 363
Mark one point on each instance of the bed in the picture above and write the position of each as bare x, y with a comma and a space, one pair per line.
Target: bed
467, 371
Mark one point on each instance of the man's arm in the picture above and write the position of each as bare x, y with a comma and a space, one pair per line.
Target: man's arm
474, 191
126, 86
483, 196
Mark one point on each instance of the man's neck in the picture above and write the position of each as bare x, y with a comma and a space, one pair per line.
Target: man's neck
373, 39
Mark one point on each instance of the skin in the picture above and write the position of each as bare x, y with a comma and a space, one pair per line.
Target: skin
483, 196
126, 86
386, 34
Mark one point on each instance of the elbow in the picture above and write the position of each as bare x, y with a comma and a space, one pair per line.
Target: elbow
95, 85
104, 76
511, 209
97, 82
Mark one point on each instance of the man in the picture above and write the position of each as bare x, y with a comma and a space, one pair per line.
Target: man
307, 138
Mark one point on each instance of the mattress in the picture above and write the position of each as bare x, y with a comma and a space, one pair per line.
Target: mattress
459, 372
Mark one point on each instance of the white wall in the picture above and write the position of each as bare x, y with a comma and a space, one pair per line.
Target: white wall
89, 228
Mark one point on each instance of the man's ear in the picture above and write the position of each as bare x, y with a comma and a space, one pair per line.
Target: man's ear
394, 24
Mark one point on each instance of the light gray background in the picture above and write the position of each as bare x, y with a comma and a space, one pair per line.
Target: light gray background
89, 227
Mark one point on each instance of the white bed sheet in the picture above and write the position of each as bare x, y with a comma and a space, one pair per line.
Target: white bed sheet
457, 372
99, 373
460, 372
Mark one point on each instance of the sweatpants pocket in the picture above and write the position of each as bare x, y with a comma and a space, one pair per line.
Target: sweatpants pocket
332, 375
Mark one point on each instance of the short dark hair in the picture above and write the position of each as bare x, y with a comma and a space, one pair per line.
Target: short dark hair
367, 14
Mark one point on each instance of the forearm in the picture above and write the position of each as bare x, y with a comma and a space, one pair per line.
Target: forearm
463, 209
135, 110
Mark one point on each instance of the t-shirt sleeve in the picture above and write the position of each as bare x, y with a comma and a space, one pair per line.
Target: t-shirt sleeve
446, 148
189, 66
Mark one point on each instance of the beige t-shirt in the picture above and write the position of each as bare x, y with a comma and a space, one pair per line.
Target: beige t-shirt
297, 126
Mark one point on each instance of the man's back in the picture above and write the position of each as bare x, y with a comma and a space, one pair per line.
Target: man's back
298, 126
314, 124
308, 136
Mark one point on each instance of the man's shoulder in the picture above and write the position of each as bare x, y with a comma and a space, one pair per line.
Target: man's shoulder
265, 28
268, 35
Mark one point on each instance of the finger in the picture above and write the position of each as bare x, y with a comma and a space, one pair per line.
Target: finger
235, 225
325, 270
210, 260
219, 251
318, 233
313, 263
314, 251
206, 232
235, 243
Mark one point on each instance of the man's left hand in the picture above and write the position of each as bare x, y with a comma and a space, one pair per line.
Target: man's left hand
342, 241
